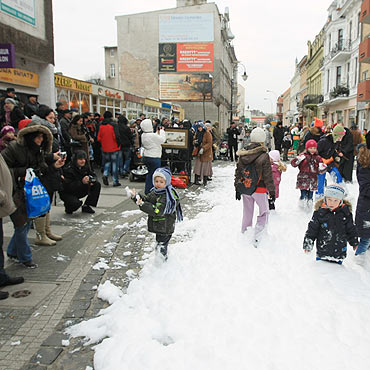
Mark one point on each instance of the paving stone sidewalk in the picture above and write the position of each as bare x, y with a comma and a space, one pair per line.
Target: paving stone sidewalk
63, 288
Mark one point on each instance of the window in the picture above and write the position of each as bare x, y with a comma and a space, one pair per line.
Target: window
329, 42
328, 81
339, 76
365, 75
358, 24
356, 63
112, 70
350, 32
112, 52
340, 39
348, 68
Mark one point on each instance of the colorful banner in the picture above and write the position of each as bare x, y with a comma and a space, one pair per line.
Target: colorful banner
195, 57
7, 56
19, 77
167, 57
72, 84
185, 87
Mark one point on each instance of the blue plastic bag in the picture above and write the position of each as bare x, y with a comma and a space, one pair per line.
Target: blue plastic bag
37, 198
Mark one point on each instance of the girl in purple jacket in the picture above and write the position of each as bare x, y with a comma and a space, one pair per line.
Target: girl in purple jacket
310, 165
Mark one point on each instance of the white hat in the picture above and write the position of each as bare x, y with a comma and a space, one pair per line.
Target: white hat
275, 155
335, 191
258, 135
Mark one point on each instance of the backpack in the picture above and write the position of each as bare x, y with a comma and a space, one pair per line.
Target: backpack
247, 183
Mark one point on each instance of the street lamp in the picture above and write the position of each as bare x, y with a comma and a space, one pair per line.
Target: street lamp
244, 77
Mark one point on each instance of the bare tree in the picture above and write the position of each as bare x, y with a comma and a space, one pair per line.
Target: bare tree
95, 78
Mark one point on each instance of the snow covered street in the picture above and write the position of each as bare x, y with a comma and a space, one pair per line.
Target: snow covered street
219, 303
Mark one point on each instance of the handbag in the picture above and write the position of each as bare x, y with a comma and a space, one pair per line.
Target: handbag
195, 151
37, 198
75, 143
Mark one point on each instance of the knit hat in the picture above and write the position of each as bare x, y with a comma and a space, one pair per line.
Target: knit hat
275, 155
163, 172
10, 100
6, 129
108, 114
338, 132
318, 122
335, 191
80, 154
258, 135
311, 144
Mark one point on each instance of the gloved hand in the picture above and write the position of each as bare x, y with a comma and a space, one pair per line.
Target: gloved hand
301, 158
322, 166
272, 197
201, 151
238, 196
307, 245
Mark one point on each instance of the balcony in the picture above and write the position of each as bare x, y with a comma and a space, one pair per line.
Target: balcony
312, 100
363, 91
339, 91
365, 12
341, 51
364, 51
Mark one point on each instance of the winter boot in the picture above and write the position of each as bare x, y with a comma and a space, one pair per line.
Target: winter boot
41, 237
205, 180
49, 233
271, 204
197, 180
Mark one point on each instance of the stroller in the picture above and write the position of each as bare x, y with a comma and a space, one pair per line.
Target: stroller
224, 151
138, 169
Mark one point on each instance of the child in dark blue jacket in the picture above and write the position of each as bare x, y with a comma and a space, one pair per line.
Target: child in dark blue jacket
331, 226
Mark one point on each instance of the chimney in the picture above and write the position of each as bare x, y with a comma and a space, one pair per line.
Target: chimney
189, 2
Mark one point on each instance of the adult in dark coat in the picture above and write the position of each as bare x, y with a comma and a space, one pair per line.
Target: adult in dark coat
64, 123
363, 204
31, 107
12, 114
127, 143
79, 181
314, 133
347, 157
278, 135
232, 140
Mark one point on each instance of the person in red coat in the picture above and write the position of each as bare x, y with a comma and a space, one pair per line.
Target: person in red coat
310, 165
110, 142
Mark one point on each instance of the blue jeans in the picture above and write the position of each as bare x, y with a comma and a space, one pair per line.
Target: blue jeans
363, 246
306, 194
152, 164
321, 180
111, 158
127, 160
19, 245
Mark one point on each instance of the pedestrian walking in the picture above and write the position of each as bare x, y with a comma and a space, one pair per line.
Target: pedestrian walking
331, 227
277, 169
346, 149
278, 135
286, 145
310, 165
232, 140
162, 205
256, 157
203, 147
363, 203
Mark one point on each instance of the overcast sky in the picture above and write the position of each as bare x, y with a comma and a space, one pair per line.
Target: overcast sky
269, 36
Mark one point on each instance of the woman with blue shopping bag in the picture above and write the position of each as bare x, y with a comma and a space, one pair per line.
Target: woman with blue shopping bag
28, 151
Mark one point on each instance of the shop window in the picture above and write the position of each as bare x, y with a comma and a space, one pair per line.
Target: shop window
112, 70
85, 103
102, 101
110, 102
62, 96
75, 101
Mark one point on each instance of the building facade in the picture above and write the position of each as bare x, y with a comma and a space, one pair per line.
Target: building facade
287, 116
152, 60
27, 50
342, 34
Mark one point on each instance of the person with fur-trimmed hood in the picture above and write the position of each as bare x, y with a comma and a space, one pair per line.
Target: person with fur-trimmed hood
314, 132
331, 226
256, 153
32, 149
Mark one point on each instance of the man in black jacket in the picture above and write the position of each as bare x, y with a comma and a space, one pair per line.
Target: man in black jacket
127, 142
278, 135
347, 158
232, 134
31, 107
79, 181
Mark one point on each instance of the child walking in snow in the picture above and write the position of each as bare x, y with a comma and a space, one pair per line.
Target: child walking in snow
310, 165
163, 207
255, 158
277, 169
286, 145
363, 203
331, 226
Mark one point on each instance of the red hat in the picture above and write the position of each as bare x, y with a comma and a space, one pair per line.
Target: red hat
311, 144
318, 122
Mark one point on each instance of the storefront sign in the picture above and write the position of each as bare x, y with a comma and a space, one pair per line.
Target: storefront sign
167, 57
72, 84
134, 98
7, 56
152, 103
112, 94
192, 27
195, 57
21, 9
185, 87
19, 77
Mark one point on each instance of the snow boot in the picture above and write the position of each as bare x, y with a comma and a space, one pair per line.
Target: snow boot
271, 205
197, 180
41, 237
49, 233
205, 180
162, 249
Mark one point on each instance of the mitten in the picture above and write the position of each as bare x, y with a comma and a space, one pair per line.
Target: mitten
201, 151
301, 158
238, 195
322, 166
307, 244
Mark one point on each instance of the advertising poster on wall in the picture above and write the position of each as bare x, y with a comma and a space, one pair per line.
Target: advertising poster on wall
192, 27
195, 57
23, 10
185, 87
167, 57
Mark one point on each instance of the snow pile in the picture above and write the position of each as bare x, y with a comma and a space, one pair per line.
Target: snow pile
109, 292
219, 303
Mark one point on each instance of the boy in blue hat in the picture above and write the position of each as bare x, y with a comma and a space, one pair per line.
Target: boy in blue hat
162, 204
331, 226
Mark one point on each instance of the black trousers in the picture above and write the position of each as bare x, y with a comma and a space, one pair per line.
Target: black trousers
163, 240
72, 200
233, 147
3, 275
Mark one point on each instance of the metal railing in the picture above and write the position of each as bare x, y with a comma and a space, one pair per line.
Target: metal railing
312, 99
341, 46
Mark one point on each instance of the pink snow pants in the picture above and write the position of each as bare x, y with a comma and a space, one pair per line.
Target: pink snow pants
248, 209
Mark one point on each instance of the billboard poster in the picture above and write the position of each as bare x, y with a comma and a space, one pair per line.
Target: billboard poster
167, 57
23, 10
195, 57
185, 87
192, 27
7, 56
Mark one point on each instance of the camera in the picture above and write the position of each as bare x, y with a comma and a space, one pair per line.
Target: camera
92, 179
63, 155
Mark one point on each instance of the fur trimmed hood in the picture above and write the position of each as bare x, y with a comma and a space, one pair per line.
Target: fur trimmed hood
318, 204
252, 149
48, 137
